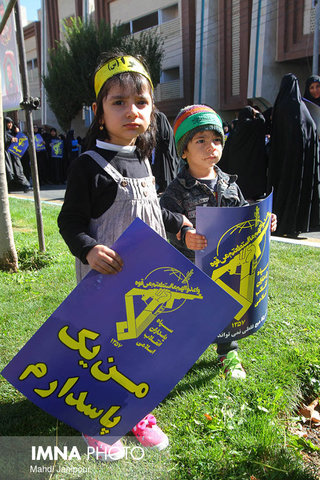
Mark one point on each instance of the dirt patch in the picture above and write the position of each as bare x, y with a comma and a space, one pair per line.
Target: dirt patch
306, 435
312, 458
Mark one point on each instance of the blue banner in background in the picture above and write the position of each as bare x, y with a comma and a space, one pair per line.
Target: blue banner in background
119, 343
19, 148
237, 259
40, 143
75, 145
56, 148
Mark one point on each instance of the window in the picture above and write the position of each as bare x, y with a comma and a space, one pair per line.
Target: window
126, 28
32, 66
151, 20
169, 13
145, 22
169, 75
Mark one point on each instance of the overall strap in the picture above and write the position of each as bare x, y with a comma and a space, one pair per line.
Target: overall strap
146, 160
107, 167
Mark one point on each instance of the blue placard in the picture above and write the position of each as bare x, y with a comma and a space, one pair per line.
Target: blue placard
56, 148
74, 145
19, 148
119, 343
237, 259
40, 143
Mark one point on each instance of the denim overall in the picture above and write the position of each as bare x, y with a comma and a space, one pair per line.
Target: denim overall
136, 197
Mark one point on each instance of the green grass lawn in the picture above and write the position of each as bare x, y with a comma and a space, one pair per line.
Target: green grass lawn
218, 428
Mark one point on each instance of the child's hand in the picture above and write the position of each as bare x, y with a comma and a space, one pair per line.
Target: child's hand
273, 224
186, 223
195, 241
104, 260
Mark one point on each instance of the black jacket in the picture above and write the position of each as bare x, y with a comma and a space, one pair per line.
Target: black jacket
186, 193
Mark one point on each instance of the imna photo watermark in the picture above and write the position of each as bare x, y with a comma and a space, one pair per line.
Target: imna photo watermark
54, 453
63, 455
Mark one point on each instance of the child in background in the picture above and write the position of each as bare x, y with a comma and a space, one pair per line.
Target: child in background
111, 184
199, 137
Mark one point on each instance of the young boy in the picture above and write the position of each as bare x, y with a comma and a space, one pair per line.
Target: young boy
199, 138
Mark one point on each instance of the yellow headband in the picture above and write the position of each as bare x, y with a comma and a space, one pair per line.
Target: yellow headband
116, 66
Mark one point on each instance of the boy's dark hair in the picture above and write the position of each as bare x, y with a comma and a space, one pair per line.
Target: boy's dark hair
145, 142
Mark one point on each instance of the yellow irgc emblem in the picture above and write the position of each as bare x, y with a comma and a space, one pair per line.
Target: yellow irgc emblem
57, 148
243, 261
158, 297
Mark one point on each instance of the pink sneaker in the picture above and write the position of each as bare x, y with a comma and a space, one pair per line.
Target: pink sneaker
103, 451
149, 434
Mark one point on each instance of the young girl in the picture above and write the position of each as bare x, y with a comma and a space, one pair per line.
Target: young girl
111, 184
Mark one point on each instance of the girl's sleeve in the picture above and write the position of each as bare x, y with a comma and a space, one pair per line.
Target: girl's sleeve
74, 218
172, 221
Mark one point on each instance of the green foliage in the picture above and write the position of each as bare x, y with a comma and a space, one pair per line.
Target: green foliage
302, 444
71, 66
33, 259
311, 380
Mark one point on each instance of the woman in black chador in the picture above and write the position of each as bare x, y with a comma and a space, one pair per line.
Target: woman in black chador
294, 161
312, 89
16, 179
245, 153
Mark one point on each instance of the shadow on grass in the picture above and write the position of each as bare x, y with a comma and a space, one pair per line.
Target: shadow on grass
199, 374
24, 418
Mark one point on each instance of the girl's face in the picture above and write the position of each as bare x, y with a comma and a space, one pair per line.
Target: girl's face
314, 89
203, 151
126, 113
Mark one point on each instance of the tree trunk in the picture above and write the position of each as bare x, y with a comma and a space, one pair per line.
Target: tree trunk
8, 254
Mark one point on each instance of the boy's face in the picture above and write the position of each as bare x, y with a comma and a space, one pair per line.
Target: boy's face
203, 151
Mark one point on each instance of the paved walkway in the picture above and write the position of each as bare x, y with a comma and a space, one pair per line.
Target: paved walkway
54, 194
48, 193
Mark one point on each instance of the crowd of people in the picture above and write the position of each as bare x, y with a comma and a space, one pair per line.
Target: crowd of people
54, 153
278, 150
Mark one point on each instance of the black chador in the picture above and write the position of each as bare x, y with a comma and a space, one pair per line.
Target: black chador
294, 161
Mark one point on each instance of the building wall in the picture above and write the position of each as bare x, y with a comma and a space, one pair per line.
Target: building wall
172, 36
122, 10
265, 72
32, 44
234, 21
227, 60
168, 90
207, 54
67, 10
32, 66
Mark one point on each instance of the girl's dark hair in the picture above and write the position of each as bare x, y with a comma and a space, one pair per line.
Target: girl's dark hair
146, 141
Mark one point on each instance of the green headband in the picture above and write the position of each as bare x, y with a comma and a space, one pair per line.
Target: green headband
195, 121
